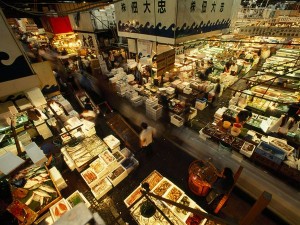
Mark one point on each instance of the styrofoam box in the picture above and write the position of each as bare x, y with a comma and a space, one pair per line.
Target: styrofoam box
177, 120
109, 159
111, 141
101, 188
116, 180
93, 182
187, 90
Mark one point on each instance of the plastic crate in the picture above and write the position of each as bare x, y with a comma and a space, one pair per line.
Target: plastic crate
271, 152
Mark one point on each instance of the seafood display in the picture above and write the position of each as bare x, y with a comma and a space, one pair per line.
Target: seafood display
281, 145
153, 179
98, 165
184, 201
33, 187
83, 159
238, 143
133, 197
107, 157
219, 134
22, 212
118, 155
59, 209
157, 218
116, 173
194, 219
86, 150
162, 187
248, 147
174, 194
89, 176
101, 188
209, 130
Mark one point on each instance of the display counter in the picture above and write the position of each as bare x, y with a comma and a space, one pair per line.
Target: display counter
163, 187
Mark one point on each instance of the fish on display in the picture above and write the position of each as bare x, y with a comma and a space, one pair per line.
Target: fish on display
41, 193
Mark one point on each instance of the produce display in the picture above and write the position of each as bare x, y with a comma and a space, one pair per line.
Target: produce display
33, 187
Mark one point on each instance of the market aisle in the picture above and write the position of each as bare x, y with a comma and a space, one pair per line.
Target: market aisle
253, 179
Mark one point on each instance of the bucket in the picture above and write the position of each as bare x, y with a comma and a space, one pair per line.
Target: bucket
226, 124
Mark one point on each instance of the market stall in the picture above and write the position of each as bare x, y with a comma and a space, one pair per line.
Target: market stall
163, 187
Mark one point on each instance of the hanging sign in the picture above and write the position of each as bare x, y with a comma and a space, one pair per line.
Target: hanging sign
271, 31
196, 17
144, 48
132, 45
152, 20
165, 61
88, 40
164, 21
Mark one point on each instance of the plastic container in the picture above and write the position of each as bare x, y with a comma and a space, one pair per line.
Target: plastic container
226, 124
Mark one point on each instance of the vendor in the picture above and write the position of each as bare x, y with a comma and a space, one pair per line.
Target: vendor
52, 152
243, 116
221, 186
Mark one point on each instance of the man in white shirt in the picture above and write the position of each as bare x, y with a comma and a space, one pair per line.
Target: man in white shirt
146, 137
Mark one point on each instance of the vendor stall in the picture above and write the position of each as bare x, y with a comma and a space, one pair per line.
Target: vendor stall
163, 187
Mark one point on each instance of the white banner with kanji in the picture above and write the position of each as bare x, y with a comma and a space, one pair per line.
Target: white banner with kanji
164, 21
202, 16
152, 20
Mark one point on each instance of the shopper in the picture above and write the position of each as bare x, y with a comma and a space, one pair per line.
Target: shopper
217, 92
146, 137
221, 186
243, 116
233, 70
88, 104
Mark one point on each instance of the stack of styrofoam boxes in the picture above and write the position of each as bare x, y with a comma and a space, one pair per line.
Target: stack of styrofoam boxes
57, 178
131, 93
130, 77
113, 143
121, 88
110, 12
219, 115
175, 83
137, 100
170, 90
153, 109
